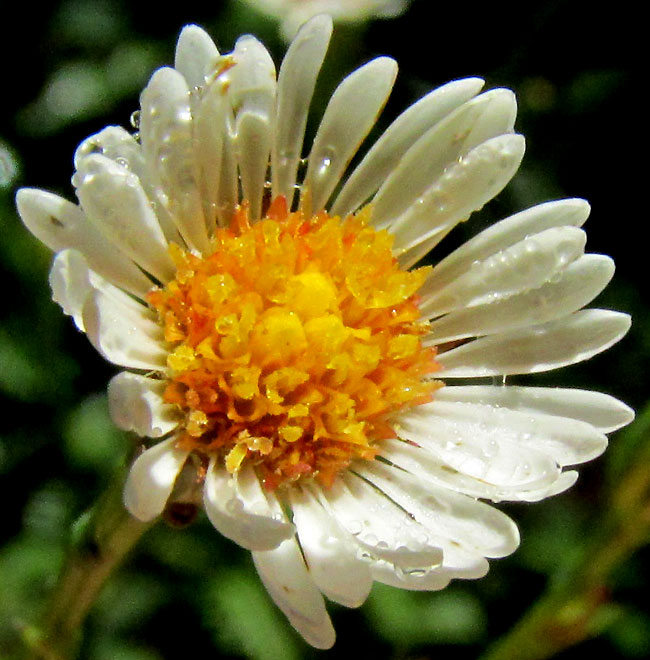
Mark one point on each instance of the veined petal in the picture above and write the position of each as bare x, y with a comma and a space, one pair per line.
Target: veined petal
114, 200
538, 348
123, 334
167, 142
489, 115
241, 511
151, 479
136, 404
342, 131
289, 584
296, 82
330, 552
386, 154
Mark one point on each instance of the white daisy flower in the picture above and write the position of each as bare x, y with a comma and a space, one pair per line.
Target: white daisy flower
293, 13
285, 359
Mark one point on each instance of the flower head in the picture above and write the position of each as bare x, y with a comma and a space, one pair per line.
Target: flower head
288, 364
293, 13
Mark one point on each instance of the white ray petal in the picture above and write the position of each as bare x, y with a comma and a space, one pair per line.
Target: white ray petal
563, 482
289, 584
381, 529
60, 225
151, 479
431, 468
211, 135
124, 334
502, 235
115, 202
484, 117
119, 145
495, 456
168, 145
241, 511
349, 116
228, 183
136, 404
538, 348
567, 441
72, 282
252, 98
433, 580
457, 519
330, 552
464, 187
296, 82
602, 411
196, 55
386, 154
519, 268
564, 293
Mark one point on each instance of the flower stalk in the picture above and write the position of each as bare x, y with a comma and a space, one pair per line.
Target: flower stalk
100, 541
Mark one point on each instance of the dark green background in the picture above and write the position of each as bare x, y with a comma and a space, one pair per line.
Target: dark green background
573, 68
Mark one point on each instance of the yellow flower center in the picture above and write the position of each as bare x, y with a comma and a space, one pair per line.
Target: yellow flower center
293, 343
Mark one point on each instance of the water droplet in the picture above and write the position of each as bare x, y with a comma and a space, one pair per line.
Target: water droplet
324, 166
370, 539
135, 119
234, 506
354, 527
415, 572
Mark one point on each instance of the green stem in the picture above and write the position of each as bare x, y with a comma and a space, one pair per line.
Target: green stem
101, 540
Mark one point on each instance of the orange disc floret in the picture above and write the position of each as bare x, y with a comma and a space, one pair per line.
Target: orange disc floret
293, 343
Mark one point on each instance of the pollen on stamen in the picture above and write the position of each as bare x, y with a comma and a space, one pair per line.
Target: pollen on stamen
292, 343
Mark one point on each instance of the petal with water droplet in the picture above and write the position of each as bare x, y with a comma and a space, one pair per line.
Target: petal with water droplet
151, 479
241, 511
329, 551
572, 339
289, 584
349, 116
385, 155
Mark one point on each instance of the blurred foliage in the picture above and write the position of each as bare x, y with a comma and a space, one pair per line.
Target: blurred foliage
80, 66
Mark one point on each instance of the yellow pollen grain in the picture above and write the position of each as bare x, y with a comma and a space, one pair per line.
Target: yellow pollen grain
235, 457
293, 343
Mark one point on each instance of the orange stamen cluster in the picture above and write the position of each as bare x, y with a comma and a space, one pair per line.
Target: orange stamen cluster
292, 343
